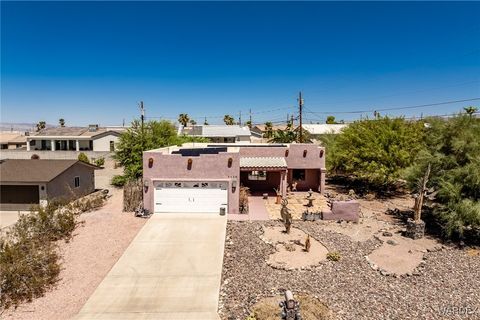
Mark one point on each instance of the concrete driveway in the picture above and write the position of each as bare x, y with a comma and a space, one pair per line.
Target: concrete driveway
171, 270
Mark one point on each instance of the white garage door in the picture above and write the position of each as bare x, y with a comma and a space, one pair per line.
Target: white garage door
201, 197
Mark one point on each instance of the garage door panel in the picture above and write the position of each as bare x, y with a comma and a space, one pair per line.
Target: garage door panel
194, 200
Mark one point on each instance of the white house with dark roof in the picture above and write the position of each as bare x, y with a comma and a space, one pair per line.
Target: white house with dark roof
218, 133
91, 138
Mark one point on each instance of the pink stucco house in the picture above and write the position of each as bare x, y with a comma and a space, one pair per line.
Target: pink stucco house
199, 177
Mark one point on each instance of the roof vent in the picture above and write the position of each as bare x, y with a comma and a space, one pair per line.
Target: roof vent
92, 127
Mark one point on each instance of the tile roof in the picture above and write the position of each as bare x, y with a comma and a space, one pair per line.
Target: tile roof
27, 170
263, 162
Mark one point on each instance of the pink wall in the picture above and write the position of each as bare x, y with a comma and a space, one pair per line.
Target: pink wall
207, 167
214, 167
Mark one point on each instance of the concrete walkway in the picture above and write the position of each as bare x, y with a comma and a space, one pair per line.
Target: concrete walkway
256, 211
171, 270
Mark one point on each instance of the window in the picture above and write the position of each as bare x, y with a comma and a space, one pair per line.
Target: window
257, 175
77, 182
112, 146
298, 174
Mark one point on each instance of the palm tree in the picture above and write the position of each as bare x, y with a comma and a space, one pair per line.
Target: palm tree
183, 118
470, 110
205, 123
228, 119
61, 121
41, 125
268, 129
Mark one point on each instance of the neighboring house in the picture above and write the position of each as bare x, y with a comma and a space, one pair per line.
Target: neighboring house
207, 177
91, 138
11, 140
27, 182
318, 129
218, 133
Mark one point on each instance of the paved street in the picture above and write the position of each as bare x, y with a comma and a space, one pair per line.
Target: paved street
171, 270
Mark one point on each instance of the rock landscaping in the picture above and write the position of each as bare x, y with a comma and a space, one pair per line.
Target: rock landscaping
350, 288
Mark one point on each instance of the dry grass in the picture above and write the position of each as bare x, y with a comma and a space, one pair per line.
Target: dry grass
310, 309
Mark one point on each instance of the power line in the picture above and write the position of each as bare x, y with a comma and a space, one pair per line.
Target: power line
396, 108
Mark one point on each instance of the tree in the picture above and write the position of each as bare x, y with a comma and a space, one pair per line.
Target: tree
470, 110
331, 120
268, 130
134, 141
61, 122
41, 125
249, 124
205, 123
283, 136
375, 151
229, 120
452, 149
83, 157
183, 118
193, 122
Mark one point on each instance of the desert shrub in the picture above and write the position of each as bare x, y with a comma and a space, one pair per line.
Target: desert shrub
83, 157
453, 151
100, 162
45, 224
28, 268
333, 256
35, 156
87, 203
118, 180
375, 151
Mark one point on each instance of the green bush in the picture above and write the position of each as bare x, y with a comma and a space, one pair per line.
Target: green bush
100, 162
375, 151
118, 181
83, 157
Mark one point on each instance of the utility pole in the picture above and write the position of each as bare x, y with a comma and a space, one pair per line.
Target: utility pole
240, 117
250, 116
142, 119
300, 110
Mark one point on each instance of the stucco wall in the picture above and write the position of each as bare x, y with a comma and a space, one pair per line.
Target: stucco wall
63, 186
103, 143
272, 181
207, 167
295, 158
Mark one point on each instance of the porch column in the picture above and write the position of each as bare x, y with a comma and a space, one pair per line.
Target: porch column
77, 145
283, 182
52, 145
28, 144
321, 187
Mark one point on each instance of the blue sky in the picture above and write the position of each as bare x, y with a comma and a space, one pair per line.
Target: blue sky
92, 62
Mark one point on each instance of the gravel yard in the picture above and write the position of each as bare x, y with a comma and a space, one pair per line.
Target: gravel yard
449, 279
97, 245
